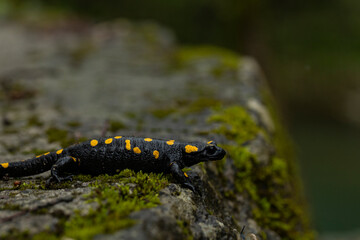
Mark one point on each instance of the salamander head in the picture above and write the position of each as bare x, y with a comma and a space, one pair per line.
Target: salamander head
195, 153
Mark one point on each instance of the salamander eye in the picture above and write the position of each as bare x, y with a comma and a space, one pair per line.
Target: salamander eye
211, 150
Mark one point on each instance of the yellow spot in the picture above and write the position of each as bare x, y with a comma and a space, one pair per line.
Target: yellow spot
185, 174
190, 148
46, 153
5, 165
137, 150
156, 154
59, 151
170, 142
108, 141
39, 155
147, 139
74, 159
127, 146
210, 142
117, 137
94, 142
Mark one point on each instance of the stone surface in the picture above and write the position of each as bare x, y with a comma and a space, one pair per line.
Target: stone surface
60, 83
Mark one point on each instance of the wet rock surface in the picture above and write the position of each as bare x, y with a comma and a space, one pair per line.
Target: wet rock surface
60, 85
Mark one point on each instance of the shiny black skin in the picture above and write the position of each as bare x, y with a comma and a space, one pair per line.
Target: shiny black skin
113, 157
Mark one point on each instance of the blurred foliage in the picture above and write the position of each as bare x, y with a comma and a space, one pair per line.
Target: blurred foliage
194, 21
314, 55
308, 48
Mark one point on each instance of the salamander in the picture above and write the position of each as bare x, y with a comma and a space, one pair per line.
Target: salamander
113, 154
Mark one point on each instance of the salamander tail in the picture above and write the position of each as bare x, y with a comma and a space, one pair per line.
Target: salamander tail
28, 167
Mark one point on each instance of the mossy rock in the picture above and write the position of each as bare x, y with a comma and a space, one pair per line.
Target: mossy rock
125, 81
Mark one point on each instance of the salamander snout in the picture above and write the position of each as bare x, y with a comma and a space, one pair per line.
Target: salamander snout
214, 152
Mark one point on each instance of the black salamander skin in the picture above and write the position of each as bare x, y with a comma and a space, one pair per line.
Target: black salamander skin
111, 155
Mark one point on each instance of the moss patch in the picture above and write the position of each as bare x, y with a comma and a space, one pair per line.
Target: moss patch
17, 235
18, 91
225, 60
117, 196
185, 228
79, 54
34, 121
116, 202
163, 112
62, 136
30, 185
272, 189
8, 206
27, 184
115, 126
184, 107
235, 124
73, 124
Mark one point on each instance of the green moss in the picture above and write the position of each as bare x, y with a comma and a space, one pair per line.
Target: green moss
185, 228
220, 165
17, 235
115, 199
115, 126
27, 185
131, 115
34, 121
116, 202
44, 235
209, 211
60, 185
55, 134
8, 206
184, 107
79, 54
140, 125
235, 124
280, 138
83, 178
62, 136
17, 91
162, 112
285, 157
30, 185
202, 103
11, 130
271, 187
226, 60
73, 124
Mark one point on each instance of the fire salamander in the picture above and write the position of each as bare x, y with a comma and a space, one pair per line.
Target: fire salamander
111, 155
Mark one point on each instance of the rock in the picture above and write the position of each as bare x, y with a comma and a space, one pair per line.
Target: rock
27, 223
61, 86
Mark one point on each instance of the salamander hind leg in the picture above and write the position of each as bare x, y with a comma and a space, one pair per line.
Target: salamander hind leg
63, 170
181, 177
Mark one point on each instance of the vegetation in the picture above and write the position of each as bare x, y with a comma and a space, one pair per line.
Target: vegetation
270, 186
64, 137
115, 203
116, 197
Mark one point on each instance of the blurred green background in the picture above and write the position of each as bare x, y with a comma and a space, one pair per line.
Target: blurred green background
309, 51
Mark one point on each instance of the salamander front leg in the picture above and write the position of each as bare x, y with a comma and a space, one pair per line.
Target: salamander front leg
62, 167
181, 177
